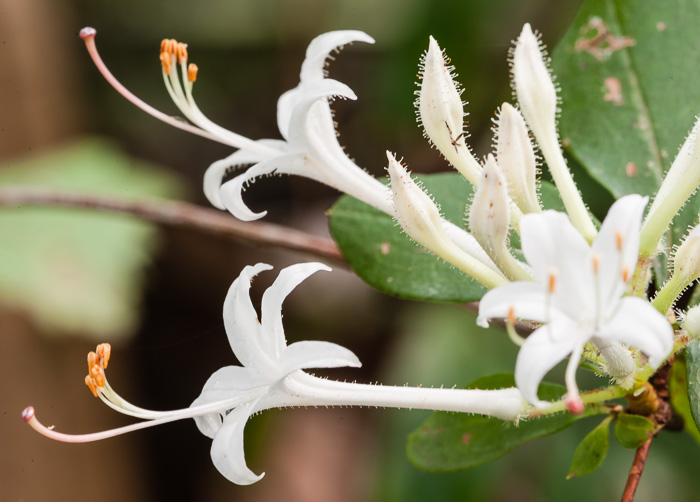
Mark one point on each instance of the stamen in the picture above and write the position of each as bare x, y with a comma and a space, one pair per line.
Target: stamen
104, 350
510, 328
618, 240
192, 72
625, 273
596, 263
552, 282
92, 385
181, 53
165, 61
98, 374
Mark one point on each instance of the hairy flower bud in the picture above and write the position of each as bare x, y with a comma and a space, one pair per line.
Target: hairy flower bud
441, 112
686, 261
691, 322
420, 218
489, 218
516, 158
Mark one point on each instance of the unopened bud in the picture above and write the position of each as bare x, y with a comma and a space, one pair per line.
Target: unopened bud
441, 112
686, 261
516, 158
691, 322
536, 93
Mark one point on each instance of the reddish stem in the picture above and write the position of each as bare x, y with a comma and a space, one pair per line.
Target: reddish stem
640, 459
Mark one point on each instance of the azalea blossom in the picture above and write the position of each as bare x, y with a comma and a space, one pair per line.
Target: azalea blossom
271, 376
578, 295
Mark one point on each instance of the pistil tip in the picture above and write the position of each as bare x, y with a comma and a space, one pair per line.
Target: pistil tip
87, 32
28, 413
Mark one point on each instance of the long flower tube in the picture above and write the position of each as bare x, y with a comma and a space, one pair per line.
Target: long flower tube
272, 376
309, 146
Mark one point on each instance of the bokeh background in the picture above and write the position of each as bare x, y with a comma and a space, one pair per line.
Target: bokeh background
69, 280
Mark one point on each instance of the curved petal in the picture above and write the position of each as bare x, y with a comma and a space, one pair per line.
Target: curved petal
227, 452
529, 300
551, 244
617, 245
320, 48
225, 384
542, 351
273, 340
215, 173
313, 354
231, 192
312, 69
241, 319
640, 325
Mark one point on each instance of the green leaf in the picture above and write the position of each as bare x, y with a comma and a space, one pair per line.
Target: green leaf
692, 356
387, 259
452, 441
632, 431
76, 271
678, 388
591, 452
628, 71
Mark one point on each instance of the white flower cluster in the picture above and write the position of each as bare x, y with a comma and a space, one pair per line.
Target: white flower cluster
583, 288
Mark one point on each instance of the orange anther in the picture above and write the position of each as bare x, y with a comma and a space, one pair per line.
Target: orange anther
618, 240
181, 52
596, 263
552, 282
103, 352
192, 72
91, 360
511, 314
98, 374
625, 273
92, 385
165, 60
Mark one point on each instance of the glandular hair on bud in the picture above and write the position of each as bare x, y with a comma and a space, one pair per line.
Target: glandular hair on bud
686, 260
516, 158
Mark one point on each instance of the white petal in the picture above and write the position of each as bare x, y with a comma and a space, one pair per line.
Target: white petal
542, 350
529, 300
241, 319
227, 451
273, 340
617, 246
320, 48
231, 192
226, 383
638, 324
551, 244
313, 354
216, 171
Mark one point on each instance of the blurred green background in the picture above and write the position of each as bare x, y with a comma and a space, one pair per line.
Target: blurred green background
58, 114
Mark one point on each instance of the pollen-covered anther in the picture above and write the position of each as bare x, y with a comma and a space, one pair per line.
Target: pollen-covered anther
165, 60
98, 374
596, 263
192, 72
511, 315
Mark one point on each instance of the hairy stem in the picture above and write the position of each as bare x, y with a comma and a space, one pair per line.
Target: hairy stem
182, 214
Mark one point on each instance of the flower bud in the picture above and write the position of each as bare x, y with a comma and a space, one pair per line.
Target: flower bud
691, 322
681, 181
686, 261
516, 158
534, 88
420, 218
441, 112
489, 217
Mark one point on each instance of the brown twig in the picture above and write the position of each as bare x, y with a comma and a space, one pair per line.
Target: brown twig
640, 458
181, 214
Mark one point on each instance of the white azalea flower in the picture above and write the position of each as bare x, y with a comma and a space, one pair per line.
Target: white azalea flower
271, 376
578, 296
